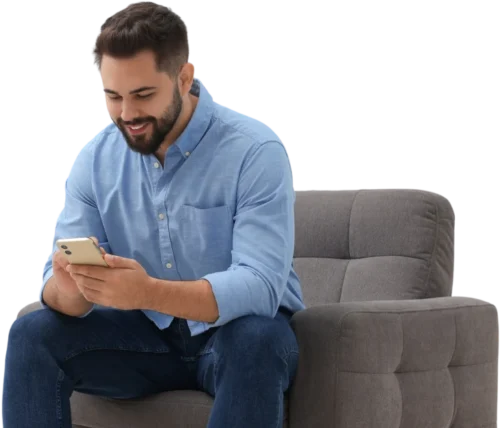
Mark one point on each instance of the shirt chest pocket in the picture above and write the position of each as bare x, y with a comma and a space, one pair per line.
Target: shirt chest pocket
204, 240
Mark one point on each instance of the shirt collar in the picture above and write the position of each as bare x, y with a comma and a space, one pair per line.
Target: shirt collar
199, 122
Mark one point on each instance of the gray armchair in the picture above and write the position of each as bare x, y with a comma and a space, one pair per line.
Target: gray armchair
382, 343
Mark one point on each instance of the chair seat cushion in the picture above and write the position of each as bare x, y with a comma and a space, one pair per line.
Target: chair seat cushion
176, 409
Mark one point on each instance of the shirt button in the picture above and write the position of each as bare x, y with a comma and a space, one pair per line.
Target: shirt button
168, 265
161, 216
156, 165
187, 153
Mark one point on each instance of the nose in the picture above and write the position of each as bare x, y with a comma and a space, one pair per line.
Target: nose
129, 112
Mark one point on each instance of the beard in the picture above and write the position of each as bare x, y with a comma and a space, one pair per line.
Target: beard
160, 128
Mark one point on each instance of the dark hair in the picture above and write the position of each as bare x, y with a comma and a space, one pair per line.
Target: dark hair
145, 26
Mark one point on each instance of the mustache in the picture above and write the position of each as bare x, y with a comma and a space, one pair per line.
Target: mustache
136, 122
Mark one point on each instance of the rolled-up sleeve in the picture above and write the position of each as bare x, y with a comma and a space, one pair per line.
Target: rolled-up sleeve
79, 216
263, 238
47, 274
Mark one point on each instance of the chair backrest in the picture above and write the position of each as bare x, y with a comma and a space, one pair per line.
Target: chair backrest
373, 245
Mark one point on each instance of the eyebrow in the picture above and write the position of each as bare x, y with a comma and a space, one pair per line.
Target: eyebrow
135, 91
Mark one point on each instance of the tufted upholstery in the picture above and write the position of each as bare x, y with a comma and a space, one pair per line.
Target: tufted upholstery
381, 345
373, 245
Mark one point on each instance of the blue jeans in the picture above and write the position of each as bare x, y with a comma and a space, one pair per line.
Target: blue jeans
246, 365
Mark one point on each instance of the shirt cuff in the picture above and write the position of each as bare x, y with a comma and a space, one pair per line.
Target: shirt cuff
89, 311
236, 301
49, 274
46, 277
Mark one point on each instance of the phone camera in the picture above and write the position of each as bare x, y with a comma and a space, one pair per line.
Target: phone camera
64, 247
68, 252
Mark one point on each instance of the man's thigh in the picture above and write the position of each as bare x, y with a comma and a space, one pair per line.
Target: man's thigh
247, 342
112, 353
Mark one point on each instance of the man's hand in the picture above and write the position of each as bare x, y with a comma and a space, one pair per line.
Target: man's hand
123, 285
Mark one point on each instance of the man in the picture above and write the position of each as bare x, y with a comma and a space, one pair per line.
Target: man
192, 205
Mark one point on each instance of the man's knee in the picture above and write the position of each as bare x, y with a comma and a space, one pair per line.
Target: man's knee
34, 329
252, 334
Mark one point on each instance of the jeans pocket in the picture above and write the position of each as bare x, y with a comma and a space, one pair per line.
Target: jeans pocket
207, 347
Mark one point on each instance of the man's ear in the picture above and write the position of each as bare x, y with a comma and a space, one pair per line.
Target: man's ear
186, 77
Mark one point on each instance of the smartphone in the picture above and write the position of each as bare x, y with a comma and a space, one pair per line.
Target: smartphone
81, 251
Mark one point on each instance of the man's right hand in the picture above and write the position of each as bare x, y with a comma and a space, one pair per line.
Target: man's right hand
63, 281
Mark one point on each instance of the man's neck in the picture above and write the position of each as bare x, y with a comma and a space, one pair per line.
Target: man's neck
188, 109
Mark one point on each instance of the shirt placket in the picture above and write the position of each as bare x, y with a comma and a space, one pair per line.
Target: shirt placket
161, 207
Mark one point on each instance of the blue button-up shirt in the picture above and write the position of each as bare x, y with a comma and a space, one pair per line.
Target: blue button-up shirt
221, 208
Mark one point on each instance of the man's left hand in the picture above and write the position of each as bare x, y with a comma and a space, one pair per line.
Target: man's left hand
125, 284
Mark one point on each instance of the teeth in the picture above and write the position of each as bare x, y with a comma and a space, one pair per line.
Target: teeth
138, 127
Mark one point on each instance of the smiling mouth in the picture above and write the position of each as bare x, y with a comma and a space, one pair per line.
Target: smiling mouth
139, 129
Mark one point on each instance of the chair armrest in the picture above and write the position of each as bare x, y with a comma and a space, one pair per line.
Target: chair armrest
31, 307
402, 363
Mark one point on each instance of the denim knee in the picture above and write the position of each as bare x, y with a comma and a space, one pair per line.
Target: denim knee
33, 330
253, 336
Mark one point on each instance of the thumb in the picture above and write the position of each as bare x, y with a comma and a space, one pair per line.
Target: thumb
119, 262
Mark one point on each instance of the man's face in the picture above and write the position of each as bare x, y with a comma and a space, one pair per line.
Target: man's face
143, 103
